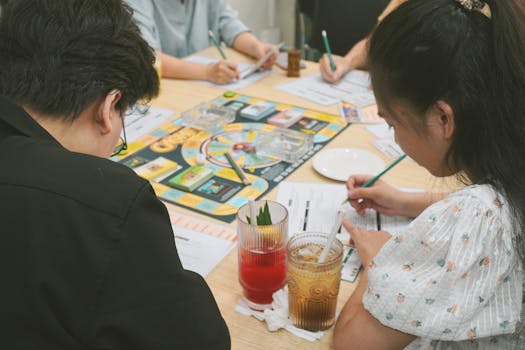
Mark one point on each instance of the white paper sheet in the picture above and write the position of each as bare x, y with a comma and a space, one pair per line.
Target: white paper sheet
389, 147
313, 207
385, 140
243, 67
354, 86
143, 119
201, 244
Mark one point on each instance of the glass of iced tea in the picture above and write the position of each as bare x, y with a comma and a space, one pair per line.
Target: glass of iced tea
313, 287
262, 254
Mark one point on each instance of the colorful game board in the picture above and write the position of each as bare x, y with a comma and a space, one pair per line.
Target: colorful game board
167, 152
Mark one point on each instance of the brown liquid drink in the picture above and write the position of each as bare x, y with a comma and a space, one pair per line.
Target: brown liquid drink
313, 287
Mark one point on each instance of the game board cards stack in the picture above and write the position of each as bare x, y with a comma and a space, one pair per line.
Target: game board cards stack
155, 168
285, 144
191, 178
286, 118
258, 110
209, 117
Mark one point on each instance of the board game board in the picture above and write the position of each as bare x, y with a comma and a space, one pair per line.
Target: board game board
167, 152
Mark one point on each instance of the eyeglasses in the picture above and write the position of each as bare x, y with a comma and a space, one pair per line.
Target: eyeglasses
122, 146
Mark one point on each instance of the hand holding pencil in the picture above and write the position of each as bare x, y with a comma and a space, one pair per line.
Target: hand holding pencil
222, 72
381, 196
367, 191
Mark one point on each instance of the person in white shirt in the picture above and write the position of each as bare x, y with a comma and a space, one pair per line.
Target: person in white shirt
178, 28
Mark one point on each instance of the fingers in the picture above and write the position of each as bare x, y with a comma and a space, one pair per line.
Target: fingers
355, 232
357, 180
230, 68
224, 72
326, 71
348, 226
271, 60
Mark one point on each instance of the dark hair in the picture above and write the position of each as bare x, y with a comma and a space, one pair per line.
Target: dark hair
430, 50
58, 57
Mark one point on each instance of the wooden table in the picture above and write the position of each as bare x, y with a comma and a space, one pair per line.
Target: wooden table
247, 332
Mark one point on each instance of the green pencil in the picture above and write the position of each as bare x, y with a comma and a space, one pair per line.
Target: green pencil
216, 43
328, 51
237, 169
375, 178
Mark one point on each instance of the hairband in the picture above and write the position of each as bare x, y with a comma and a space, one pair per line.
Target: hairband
476, 5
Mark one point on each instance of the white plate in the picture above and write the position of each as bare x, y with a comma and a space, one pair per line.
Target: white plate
339, 163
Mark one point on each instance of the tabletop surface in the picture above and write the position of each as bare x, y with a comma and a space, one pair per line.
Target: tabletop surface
247, 332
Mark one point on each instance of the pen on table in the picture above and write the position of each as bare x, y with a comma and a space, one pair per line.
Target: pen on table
328, 51
237, 169
375, 178
216, 43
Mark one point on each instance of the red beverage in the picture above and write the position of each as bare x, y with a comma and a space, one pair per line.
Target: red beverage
261, 274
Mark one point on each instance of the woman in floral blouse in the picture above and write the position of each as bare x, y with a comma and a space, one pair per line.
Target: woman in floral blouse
449, 78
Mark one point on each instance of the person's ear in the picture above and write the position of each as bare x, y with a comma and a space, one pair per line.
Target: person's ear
444, 117
107, 111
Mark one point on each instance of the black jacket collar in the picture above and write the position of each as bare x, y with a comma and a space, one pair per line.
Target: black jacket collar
18, 119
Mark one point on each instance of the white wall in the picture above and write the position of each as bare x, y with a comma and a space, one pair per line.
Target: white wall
256, 15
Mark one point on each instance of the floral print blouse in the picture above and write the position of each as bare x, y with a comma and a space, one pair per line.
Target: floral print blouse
453, 277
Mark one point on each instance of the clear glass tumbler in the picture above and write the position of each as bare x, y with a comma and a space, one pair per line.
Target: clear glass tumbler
313, 287
262, 254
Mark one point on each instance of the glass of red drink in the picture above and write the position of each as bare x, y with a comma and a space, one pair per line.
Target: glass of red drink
262, 254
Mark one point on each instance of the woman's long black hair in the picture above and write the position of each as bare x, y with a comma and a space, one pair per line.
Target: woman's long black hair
430, 50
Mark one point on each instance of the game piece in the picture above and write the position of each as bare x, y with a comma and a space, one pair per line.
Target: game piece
229, 94
294, 63
201, 159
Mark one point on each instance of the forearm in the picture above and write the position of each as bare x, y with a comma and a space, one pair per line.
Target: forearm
246, 43
357, 329
173, 67
350, 309
356, 58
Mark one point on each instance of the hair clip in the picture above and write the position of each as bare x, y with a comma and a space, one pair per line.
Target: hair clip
476, 5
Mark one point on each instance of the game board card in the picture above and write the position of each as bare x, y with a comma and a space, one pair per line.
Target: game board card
286, 118
156, 168
191, 178
258, 110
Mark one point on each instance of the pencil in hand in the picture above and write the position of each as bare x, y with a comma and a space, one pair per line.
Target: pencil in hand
328, 51
216, 44
375, 178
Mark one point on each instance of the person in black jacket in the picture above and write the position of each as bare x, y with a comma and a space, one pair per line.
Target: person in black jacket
348, 24
87, 253
345, 21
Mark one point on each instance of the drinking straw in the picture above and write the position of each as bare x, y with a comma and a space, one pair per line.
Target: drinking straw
237, 169
328, 51
331, 236
216, 43
375, 178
